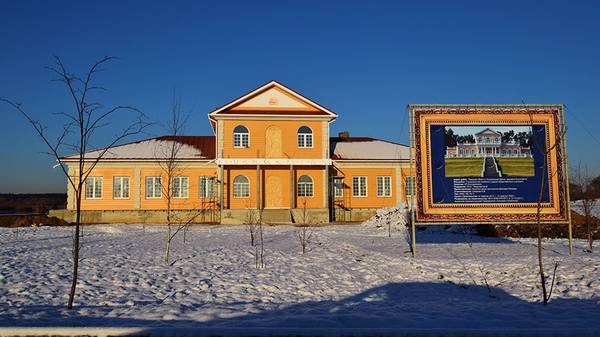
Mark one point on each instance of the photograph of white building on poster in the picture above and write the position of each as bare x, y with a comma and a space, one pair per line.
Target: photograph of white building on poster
488, 151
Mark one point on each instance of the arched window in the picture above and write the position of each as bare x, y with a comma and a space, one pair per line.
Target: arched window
305, 186
241, 136
305, 137
241, 187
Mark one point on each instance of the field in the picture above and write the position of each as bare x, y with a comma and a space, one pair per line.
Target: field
516, 167
464, 167
354, 280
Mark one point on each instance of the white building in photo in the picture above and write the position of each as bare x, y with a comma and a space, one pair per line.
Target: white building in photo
488, 143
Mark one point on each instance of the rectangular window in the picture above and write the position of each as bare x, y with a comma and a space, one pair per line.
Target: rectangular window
153, 187
180, 187
240, 140
93, 188
384, 186
207, 187
305, 140
359, 186
305, 189
120, 187
241, 190
409, 185
338, 187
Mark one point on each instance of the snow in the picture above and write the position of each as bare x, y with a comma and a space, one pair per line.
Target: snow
577, 206
148, 149
375, 149
354, 280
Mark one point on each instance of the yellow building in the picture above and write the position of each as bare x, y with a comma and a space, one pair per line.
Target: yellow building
271, 150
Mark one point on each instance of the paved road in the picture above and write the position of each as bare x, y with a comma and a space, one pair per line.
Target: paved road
490, 168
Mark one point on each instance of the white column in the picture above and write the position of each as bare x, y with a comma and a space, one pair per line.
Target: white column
70, 190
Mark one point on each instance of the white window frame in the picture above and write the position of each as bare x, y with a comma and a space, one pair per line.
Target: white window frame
305, 189
241, 189
384, 186
119, 186
93, 184
362, 185
154, 186
206, 187
241, 139
304, 137
181, 187
338, 191
409, 185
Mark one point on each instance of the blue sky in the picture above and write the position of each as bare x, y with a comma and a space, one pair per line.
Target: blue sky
364, 60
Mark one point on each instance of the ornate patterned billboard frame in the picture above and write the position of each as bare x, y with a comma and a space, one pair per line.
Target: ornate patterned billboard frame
548, 118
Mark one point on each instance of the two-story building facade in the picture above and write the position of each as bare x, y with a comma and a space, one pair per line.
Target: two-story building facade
271, 151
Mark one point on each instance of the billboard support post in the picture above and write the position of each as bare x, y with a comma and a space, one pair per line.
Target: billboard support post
567, 179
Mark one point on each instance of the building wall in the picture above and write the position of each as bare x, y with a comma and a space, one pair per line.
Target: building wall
288, 142
276, 188
137, 200
371, 200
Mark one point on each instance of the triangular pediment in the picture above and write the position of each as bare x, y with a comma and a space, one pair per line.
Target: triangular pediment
273, 98
488, 131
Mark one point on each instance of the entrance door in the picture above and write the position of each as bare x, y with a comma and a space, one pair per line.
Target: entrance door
273, 192
273, 142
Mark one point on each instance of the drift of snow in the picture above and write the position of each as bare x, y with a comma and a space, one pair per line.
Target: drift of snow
351, 278
392, 220
577, 206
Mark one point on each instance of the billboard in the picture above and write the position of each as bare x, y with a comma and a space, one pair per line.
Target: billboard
481, 164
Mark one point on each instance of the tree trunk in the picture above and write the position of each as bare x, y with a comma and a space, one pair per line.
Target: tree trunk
75, 249
168, 245
168, 237
589, 230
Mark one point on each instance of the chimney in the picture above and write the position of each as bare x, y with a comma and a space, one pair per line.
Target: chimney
344, 134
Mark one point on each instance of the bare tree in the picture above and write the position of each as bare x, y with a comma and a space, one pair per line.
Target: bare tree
544, 152
466, 231
259, 248
251, 224
168, 158
584, 180
77, 136
304, 233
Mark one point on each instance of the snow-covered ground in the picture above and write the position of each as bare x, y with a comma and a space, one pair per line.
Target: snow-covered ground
577, 206
352, 277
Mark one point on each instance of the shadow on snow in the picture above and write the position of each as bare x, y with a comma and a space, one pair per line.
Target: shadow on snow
400, 306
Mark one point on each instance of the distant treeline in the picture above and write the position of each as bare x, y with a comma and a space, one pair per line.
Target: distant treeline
32, 202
